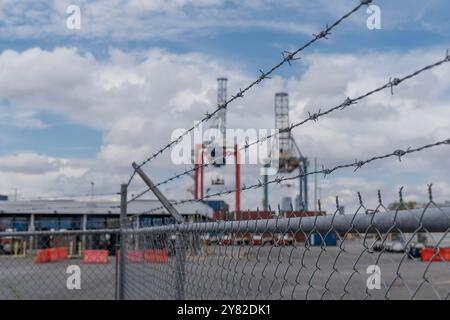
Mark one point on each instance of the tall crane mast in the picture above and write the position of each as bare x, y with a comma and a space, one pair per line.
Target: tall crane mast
291, 157
288, 160
219, 122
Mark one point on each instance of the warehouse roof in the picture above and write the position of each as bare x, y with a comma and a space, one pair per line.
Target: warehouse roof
97, 207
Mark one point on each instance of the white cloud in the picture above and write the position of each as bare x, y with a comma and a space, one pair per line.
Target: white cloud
29, 163
138, 101
141, 20
129, 20
143, 101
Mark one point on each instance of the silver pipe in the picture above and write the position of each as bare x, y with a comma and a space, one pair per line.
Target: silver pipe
419, 220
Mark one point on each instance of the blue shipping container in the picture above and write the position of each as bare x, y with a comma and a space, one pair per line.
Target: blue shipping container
319, 240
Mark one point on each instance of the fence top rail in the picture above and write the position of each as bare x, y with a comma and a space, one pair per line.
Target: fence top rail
417, 220
59, 233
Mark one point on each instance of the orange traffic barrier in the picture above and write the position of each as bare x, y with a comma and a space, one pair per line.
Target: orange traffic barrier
62, 253
135, 256
42, 257
53, 255
445, 254
95, 257
149, 255
428, 254
156, 256
163, 256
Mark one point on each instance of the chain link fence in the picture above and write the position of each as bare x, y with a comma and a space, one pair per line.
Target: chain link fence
65, 265
371, 254
368, 254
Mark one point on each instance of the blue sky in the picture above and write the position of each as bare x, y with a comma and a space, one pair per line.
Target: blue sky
121, 41
251, 47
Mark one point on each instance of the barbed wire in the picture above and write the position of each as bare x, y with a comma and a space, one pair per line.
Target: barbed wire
175, 177
349, 101
357, 164
288, 57
178, 176
311, 118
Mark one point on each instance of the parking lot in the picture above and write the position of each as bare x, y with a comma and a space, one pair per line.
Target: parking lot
267, 272
238, 272
22, 279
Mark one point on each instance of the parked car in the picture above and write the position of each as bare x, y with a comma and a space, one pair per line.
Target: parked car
378, 246
256, 239
259, 239
396, 246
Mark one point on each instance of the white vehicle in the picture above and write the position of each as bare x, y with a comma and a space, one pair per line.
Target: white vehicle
257, 239
398, 246
387, 246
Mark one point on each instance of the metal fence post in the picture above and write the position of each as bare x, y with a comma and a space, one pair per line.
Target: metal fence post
123, 224
180, 260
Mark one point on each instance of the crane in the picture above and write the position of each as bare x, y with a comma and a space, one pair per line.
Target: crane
290, 155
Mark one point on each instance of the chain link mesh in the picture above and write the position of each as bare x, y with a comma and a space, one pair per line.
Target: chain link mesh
370, 254
47, 265
380, 253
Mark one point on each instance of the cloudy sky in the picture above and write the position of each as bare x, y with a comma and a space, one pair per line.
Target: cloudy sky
80, 105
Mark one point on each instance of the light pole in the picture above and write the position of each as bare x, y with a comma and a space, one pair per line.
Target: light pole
92, 191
